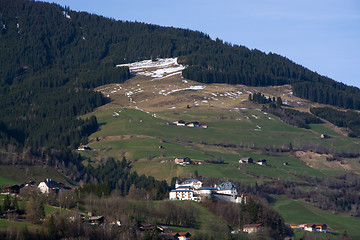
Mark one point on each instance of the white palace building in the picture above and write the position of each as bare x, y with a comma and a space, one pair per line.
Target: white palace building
193, 190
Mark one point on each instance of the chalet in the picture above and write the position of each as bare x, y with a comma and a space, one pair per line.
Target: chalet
321, 227
179, 160
96, 220
202, 125
183, 161
48, 186
83, 148
192, 124
176, 235
180, 123
261, 162
315, 227
252, 228
310, 227
246, 160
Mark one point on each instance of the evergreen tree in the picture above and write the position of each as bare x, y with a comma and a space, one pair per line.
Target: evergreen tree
7, 203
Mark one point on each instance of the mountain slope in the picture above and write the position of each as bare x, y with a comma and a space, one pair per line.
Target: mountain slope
51, 54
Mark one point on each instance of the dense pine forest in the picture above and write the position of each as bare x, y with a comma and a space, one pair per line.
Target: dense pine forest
51, 59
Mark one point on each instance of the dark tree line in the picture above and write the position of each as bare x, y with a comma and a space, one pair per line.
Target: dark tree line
288, 115
50, 63
116, 175
237, 215
348, 119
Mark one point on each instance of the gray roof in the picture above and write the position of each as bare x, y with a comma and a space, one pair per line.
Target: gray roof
190, 181
226, 186
51, 183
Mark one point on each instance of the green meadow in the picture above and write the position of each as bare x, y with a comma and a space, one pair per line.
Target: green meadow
146, 140
299, 212
13, 174
151, 145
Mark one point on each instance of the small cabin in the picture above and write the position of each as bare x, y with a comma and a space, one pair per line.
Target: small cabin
261, 162
246, 160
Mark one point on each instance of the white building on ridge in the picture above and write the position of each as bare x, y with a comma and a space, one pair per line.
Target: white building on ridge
193, 190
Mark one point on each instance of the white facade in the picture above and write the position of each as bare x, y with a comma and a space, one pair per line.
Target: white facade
43, 188
227, 188
190, 183
48, 186
181, 195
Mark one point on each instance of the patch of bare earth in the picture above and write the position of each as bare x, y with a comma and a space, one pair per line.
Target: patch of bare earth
325, 162
159, 86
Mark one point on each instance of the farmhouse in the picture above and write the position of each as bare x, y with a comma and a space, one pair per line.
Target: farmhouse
183, 161
261, 162
251, 228
48, 186
315, 227
180, 123
83, 148
192, 124
246, 160
179, 160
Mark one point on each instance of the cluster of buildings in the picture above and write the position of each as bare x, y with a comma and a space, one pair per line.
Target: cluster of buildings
182, 123
166, 233
186, 161
46, 186
250, 160
194, 190
49, 185
311, 227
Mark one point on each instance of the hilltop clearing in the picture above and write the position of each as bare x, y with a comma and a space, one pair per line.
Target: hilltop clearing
158, 85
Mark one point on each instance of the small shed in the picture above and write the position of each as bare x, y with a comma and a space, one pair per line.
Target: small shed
261, 162
246, 160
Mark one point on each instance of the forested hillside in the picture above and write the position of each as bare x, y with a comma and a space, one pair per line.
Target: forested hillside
52, 57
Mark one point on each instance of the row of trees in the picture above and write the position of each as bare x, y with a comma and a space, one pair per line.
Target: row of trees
348, 119
290, 116
117, 175
49, 61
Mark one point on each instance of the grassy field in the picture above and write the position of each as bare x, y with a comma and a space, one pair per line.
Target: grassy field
299, 212
232, 127
20, 174
138, 135
4, 181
